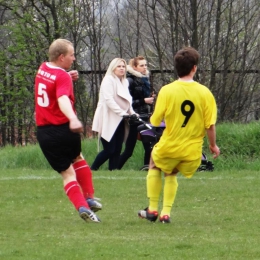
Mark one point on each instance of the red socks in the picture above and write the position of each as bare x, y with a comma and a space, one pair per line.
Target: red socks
73, 191
84, 184
84, 178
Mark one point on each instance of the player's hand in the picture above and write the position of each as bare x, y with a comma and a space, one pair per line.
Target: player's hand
215, 151
74, 75
75, 125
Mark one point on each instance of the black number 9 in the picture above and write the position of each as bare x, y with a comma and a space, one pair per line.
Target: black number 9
187, 113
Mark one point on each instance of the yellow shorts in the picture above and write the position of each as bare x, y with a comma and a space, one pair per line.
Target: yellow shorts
167, 165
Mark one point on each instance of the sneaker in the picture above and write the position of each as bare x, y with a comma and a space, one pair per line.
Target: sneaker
94, 204
147, 214
87, 214
165, 219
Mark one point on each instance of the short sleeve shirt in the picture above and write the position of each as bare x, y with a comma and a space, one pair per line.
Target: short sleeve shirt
188, 108
50, 84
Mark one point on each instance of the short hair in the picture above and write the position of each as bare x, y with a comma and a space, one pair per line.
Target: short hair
112, 66
134, 62
58, 47
184, 61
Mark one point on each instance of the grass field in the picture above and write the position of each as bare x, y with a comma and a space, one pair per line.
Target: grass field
215, 216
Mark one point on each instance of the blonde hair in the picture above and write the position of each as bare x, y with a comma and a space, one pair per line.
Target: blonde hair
112, 66
58, 47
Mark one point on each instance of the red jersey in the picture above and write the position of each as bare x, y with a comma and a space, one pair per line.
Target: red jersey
50, 84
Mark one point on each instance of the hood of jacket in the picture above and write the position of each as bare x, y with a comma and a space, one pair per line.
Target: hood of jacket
136, 73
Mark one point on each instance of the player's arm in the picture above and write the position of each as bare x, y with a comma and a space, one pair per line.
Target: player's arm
159, 110
66, 108
211, 133
210, 120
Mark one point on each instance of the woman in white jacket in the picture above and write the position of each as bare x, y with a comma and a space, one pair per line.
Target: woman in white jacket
114, 102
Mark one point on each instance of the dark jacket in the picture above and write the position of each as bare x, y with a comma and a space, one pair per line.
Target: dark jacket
139, 88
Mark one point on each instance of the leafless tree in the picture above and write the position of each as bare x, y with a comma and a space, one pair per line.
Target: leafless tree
225, 32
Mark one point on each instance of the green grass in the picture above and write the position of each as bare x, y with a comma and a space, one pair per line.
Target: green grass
215, 215
239, 144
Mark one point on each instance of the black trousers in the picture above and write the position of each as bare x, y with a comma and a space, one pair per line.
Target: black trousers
111, 150
129, 148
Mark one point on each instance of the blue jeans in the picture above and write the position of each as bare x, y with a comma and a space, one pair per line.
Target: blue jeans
111, 150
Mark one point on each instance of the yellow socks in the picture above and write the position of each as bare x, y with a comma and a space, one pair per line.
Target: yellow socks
154, 187
170, 190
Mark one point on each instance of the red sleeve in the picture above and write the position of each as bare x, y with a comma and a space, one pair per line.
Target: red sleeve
64, 85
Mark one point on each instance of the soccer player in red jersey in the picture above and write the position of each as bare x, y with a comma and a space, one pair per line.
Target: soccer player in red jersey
58, 128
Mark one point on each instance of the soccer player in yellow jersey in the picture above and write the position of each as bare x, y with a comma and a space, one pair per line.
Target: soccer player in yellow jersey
189, 111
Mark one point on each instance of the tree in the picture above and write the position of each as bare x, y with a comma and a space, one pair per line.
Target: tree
225, 32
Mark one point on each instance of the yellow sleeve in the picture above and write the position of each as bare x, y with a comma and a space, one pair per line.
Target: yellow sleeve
160, 108
210, 111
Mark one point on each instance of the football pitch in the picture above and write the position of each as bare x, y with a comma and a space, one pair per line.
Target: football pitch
215, 216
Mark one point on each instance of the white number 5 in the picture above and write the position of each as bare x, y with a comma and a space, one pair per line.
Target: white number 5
43, 99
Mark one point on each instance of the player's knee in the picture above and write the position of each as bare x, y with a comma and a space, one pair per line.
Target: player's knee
78, 158
153, 173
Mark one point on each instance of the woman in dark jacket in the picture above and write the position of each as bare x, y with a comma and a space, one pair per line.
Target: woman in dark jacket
140, 90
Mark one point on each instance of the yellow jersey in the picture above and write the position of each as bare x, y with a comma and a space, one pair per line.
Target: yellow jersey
187, 108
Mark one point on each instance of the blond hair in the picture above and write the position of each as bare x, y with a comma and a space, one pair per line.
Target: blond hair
58, 47
112, 66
